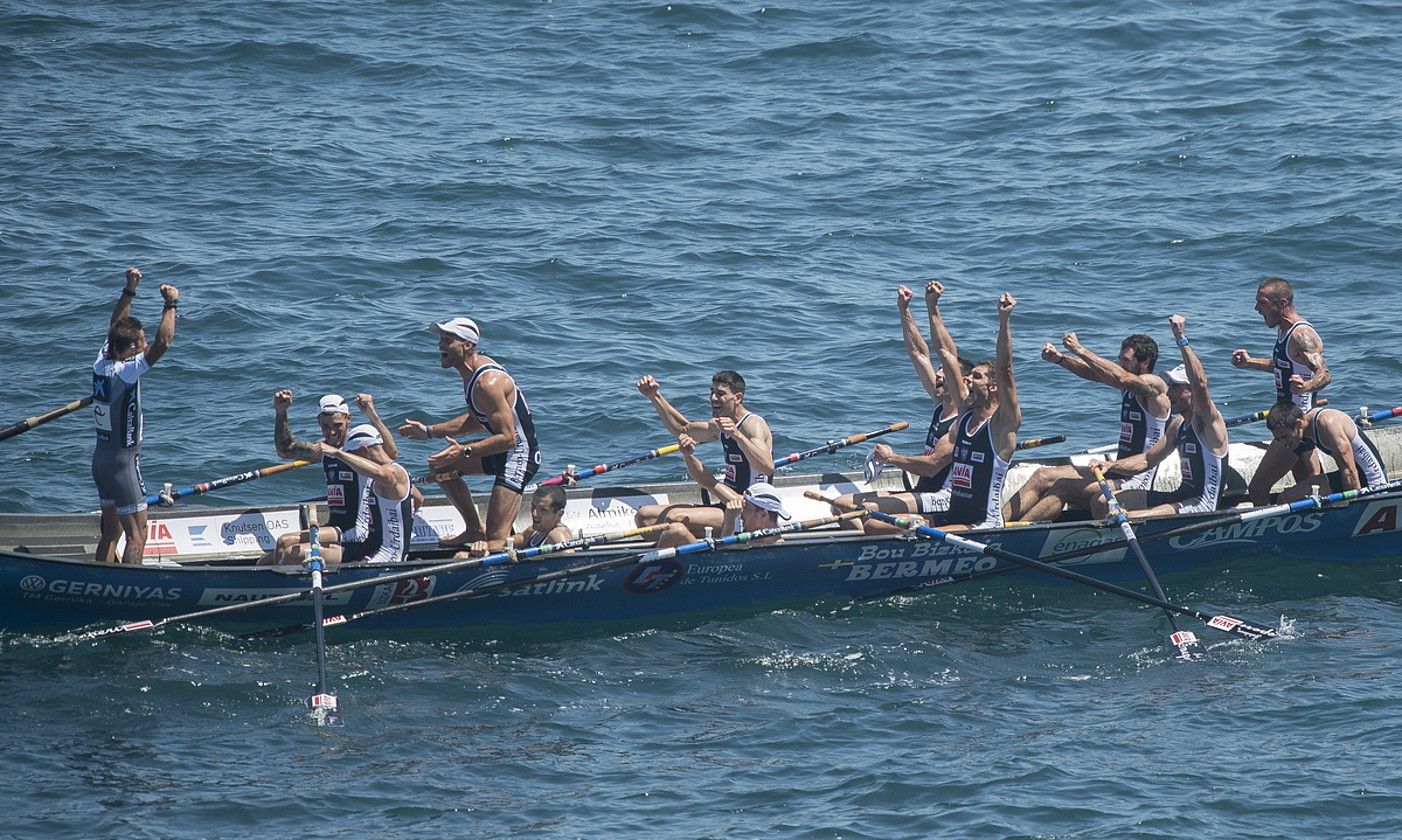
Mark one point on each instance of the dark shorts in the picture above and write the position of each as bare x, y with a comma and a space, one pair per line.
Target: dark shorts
117, 475
513, 468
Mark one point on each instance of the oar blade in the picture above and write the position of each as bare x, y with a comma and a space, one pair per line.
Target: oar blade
325, 711
1185, 645
1241, 627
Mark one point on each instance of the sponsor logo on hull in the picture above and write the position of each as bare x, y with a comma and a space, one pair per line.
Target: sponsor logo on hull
1060, 541
1251, 533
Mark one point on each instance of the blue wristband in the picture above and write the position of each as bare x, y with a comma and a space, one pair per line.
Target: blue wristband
1182, 342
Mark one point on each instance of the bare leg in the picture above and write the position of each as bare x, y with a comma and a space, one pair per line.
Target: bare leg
649, 515
502, 508
460, 495
673, 535
1074, 490
107, 542
696, 519
1130, 500
134, 526
1021, 505
298, 554
1277, 461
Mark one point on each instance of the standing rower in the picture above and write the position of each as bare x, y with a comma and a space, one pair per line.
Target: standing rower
509, 451
116, 405
744, 437
1297, 363
1198, 434
1144, 411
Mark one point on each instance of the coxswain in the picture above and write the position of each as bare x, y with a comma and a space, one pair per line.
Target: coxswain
1197, 433
116, 403
1144, 412
546, 528
508, 452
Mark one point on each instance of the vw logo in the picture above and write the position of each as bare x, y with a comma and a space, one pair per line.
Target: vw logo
32, 583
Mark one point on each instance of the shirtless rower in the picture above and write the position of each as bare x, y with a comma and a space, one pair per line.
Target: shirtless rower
116, 405
758, 507
509, 451
1297, 362
547, 511
1329, 430
982, 442
1144, 410
744, 437
1197, 432
346, 489
385, 522
950, 394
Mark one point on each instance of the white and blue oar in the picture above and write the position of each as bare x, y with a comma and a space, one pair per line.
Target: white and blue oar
323, 703
1225, 623
1185, 642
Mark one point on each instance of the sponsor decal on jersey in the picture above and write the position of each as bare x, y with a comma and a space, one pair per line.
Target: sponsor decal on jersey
335, 495
962, 476
1190, 449
976, 457
1185, 466
1126, 432
346, 475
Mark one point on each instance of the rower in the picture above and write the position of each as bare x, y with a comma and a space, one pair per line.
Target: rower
1144, 411
744, 437
1299, 433
382, 532
758, 507
547, 513
345, 489
950, 394
981, 443
1297, 363
509, 452
1199, 435
116, 404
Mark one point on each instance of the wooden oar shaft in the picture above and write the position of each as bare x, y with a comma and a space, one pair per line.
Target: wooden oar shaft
834, 445
575, 571
217, 483
1225, 623
603, 468
40, 419
417, 572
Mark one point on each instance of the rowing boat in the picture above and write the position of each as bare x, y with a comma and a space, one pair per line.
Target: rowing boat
202, 558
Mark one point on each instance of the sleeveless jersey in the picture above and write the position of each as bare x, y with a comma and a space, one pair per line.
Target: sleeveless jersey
976, 476
939, 427
346, 489
1139, 429
1204, 472
1285, 367
739, 473
524, 425
116, 401
390, 527
1371, 472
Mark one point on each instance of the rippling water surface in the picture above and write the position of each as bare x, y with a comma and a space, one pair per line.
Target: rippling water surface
614, 189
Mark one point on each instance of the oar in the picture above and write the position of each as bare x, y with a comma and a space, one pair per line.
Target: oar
1368, 419
834, 445
1225, 623
575, 571
1234, 421
1033, 443
40, 419
1180, 640
570, 476
323, 703
167, 497
1233, 518
415, 572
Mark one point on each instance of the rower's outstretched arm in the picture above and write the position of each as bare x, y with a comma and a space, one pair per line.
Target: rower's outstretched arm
366, 404
945, 348
673, 419
1008, 407
1100, 369
1206, 418
288, 447
915, 346
122, 308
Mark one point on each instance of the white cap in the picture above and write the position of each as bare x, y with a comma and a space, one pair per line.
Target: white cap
360, 437
464, 328
332, 404
763, 495
1177, 376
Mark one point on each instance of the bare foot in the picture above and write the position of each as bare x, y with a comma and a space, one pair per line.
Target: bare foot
465, 538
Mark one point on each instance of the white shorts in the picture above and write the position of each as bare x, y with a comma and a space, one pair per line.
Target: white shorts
1140, 481
937, 502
